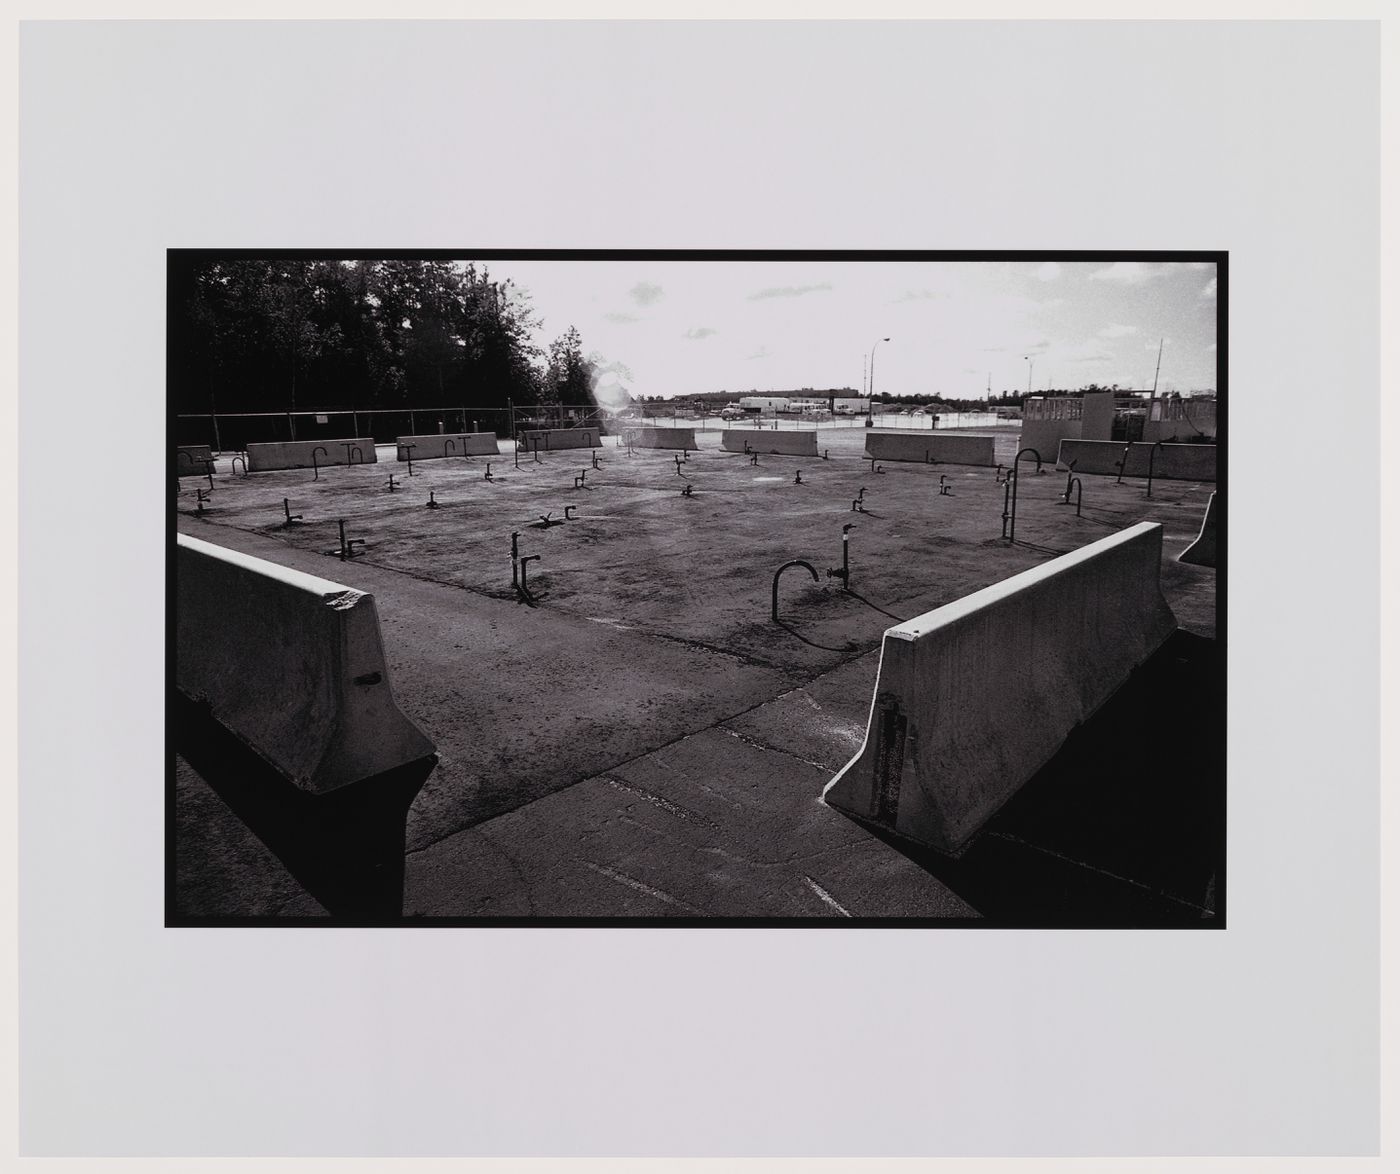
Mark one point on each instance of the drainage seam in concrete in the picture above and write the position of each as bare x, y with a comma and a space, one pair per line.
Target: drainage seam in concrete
717, 726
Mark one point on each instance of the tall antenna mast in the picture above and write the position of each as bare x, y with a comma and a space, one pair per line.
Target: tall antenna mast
864, 387
1159, 369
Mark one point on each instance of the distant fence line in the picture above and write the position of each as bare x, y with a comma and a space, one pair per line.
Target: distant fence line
234, 431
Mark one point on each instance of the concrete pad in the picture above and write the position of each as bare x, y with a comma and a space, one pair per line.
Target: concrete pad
521, 702
709, 826
822, 722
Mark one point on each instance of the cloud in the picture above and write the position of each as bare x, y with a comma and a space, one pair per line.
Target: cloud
919, 295
621, 318
788, 291
1117, 330
762, 353
1209, 291
1128, 273
700, 332
645, 294
1048, 272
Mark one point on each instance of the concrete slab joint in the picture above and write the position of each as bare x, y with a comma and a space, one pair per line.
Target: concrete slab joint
292, 664
973, 698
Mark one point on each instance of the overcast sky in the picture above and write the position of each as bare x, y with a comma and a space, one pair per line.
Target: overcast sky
677, 327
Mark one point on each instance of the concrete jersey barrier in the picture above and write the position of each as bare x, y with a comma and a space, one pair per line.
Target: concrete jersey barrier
291, 664
547, 439
679, 438
973, 698
296, 454
435, 445
934, 447
1201, 553
777, 443
1173, 462
193, 460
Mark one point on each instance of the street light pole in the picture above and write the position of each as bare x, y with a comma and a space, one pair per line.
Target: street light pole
1030, 375
870, 401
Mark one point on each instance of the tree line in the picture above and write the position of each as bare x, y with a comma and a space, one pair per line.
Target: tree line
290, 334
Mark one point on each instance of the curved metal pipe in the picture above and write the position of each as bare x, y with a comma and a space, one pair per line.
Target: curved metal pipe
1078, 498
797, 562
1016, 483
315, 468
1151, 458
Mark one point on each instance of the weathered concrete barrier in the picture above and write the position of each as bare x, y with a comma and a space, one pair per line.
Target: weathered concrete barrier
291, 664
1173, 462
192, 460
436, 445
546, 439
944, 448
973, 698
788, 444
1201, 553
296, 454
680, 438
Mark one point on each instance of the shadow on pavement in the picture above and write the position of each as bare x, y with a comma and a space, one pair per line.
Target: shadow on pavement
1125, 826
346, 847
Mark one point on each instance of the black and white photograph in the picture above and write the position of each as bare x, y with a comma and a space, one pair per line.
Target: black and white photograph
802, 589
752, 587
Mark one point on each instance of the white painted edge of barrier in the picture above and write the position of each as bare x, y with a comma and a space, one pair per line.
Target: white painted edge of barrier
337, 594
960, 609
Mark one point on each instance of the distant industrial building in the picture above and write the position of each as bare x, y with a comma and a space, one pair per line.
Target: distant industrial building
1114, 415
